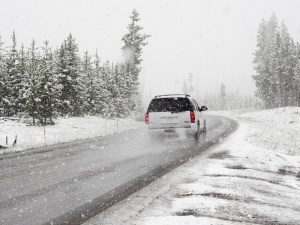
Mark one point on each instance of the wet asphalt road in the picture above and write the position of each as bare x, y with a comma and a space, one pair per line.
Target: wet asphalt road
70, 183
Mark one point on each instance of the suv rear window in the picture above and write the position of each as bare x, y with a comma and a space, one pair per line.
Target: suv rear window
169, 105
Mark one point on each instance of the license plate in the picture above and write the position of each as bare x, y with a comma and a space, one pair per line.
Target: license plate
169, 120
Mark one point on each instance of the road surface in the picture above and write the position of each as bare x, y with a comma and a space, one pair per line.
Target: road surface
70, 183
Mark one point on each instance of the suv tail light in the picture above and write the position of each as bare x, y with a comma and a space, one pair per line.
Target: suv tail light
147, 118
192, 115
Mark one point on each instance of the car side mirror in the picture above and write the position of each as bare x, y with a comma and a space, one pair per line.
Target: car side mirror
203, 108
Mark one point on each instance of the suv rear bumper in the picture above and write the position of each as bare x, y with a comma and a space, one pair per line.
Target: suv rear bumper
175, 131
191, 126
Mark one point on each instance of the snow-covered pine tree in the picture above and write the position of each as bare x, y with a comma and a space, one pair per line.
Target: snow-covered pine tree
291, 73
247, 102
116, 91
230, 101
222, 97
205, 101
48, 88
259, 61
101, 92
185, 87
293, 66
127, 94
121, 95
297, 76
286, 66
124, 92
191, 87
13, 80
91, 85
72, 96
23, 75
265, 62
234, 101
3, 79
276, 62
63, 82
134, 42
272, 52
279, 70
110, 109
32, 94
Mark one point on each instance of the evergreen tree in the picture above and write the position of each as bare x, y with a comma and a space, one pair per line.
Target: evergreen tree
101, 91
266, 62
115, 91
229, 101
276, 64
259, 60
12, 81
134, 42
70, 78
123, 90
292, 75
109, 111
185, 87
32, 94
42, 84
23, 76
223, 97
91, 85
297, 77
128, 96
48, 89
285, 57
60, 70
191, 87
272, 86
3, 80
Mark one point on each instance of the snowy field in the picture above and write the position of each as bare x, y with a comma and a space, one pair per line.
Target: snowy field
252, 177
65, 130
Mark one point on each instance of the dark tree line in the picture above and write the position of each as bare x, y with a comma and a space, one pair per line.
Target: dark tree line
277, 65
42, 82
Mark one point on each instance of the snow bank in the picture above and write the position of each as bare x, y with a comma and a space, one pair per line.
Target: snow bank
275, 129
65, 130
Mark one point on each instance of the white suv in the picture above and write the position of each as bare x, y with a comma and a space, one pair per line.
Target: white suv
175, 111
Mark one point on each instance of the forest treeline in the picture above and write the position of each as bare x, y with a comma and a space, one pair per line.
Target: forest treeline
223, 100
43, 83
231, 101
277, 65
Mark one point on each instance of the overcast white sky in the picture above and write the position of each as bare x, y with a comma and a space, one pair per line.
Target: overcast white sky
213, 40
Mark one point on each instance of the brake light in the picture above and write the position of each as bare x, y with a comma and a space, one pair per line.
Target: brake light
192, 115
147, 118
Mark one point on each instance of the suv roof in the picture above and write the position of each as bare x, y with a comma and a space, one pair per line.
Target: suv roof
172, 95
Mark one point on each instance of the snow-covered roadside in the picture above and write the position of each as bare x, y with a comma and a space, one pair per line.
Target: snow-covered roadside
65, 130
244, 180
274, 129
